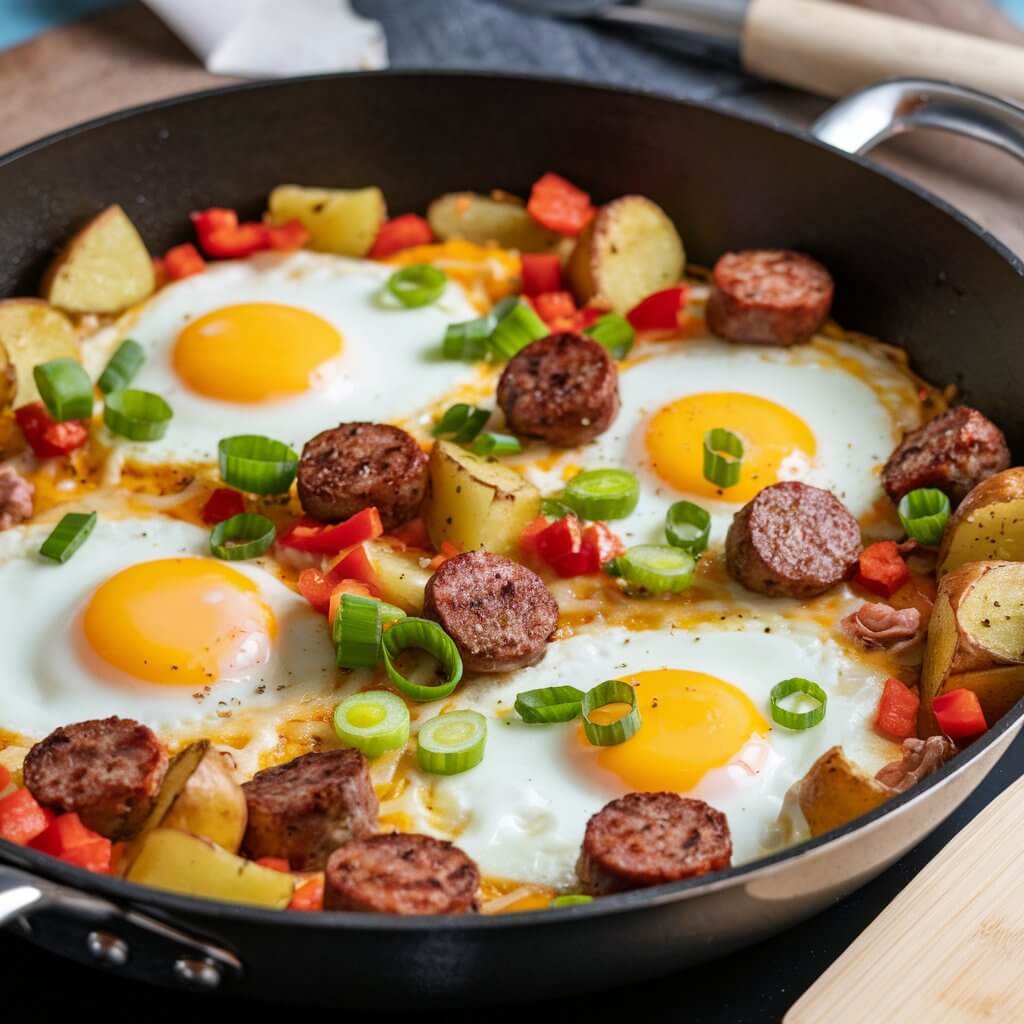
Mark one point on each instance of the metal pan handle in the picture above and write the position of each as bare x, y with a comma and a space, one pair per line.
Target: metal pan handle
95, 931
866, 118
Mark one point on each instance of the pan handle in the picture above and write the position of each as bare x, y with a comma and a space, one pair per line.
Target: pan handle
95, 931
872, 115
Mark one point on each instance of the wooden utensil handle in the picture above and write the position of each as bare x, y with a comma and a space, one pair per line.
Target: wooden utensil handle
833, 48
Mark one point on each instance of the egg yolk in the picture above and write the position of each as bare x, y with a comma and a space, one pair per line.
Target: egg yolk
690, 723
180, 622
254, 352
777, 444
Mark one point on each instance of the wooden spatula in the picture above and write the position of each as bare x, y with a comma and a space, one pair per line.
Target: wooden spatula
950, 948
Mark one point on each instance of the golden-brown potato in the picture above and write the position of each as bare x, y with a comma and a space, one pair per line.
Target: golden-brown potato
174, 860
835, 791
988, 525
105, 268
8, 379
976, 639
401, 577
481, 219
31, 332
627, 251
475, 503
340, 220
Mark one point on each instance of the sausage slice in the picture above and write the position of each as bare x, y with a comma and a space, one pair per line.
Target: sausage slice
645, 839
401, 874
308, 807
108, 771
768, 296
953, 452
356, 465
499, 613
563, 389
792, 540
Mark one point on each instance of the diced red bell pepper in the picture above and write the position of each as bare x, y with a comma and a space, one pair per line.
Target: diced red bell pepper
448, 550
22, 818
309, 895
309, 535
343, 588
287, 237
5, 777
553, 307
528, 538
401, 233
541, 272
316, 588
607, 544
45, 436
659, 311
959, 714
559, 205
224, 503
354, 565
574, 550
897, 711
881, 568
70, 841
183, 261
412, 535
221, 236
274, 863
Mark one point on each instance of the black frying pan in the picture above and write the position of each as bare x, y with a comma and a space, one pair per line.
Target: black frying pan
908, 268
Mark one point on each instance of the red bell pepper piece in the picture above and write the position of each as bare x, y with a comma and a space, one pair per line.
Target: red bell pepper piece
309, 895
574, 550
881, 568
559, 205
401, 233
274, 863
5, 777
222, 236
448, 550
541, 272
224, 503
316, 588
354, 565
553, 307
412, 535
70, 841
959, 714
22, 818
183, 261
601, 539
309, 535
287, 237
45, 436
659, 311
897, 711
528, 538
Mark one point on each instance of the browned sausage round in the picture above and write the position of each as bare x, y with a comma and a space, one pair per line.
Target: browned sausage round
953, 452
401, 874
563, 389
356, 465
305, 809
792, 540
645, 839
768, 296
108, 771
499, 613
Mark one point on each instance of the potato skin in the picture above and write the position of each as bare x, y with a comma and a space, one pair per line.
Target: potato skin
835, 791
988, 525
32, 332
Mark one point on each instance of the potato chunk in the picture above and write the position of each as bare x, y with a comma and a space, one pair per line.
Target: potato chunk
32, 332
481, 219
401, 577
835, 791
105, 268
344, 221
988, 525
475, 503
627, 251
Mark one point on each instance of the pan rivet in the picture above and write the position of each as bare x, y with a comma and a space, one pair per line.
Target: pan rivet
197, 974
107, 948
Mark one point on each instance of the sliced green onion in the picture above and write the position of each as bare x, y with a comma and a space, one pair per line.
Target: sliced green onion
65, 389
451, 743
555, 508
137, 415
549, 704
657, 568
611, 691
257, 464
428, 636
373, 722
687, 526
467, 340
602, 494
389, 613
574, 899
517, 327
357, 631
613, 332
461, 422
123, 365
496, 445
246, 535
417, 285
924, 514
68, 536
797, 720
723, 470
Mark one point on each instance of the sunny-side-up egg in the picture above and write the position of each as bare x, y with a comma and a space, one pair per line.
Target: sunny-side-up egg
706, 730
284, 346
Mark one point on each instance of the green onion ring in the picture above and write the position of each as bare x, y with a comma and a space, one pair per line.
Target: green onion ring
461, 422
246, 535
924, 514
611, 691
600, 494
137, 415
555, 508
124, 364
65, 389
389, 613
687, 526
68, 536
451, 743
495, 445
573, 899
425, 636
373, 722
797, 720
417, 285
722, 470
259, 465
657, 568
358, 629
549, 704
613, 332
467, 340
516, 328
